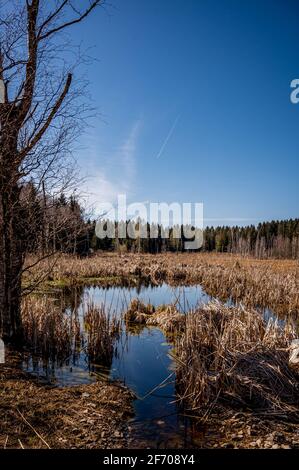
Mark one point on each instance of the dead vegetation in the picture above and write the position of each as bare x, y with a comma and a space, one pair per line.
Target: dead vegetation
55, 334
229, 356
48, 331
102, 329
165, 317
85, 416
229, 362
233, 429
266, 283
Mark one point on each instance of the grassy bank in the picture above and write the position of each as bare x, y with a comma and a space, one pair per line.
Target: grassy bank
233, 375
229, 357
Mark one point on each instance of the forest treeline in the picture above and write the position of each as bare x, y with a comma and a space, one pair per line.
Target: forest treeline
60, 224
277, 239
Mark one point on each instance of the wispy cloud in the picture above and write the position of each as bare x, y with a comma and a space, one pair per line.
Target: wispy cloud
115, 174
127, 153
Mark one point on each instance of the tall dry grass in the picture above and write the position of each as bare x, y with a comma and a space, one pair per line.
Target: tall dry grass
264, 283
102, 328
55, 334
230, 356
48, 330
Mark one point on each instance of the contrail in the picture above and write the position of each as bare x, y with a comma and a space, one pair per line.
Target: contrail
168, 137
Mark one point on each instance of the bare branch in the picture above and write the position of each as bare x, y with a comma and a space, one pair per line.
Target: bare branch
81, 17
50, 118
31, 67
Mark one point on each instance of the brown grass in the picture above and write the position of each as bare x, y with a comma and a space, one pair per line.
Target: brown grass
229, 355
48, 330
165, 317
55, 334
226, 357
266, 283
85, 416
102, 329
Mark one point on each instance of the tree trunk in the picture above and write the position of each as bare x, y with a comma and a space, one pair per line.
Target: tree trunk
11, 263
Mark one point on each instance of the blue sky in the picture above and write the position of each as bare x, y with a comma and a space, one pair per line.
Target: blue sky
194, 98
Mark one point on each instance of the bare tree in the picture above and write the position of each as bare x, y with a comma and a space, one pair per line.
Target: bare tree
39, 109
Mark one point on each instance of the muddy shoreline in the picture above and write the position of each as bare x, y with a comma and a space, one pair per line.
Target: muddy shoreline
100, 415
36, 415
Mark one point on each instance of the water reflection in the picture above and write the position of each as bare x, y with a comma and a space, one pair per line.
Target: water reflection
142, 360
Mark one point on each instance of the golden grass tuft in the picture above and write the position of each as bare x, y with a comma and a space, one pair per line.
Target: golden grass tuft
55, 334
165, 317
138, 312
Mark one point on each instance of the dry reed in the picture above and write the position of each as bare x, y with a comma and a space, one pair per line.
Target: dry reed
264, 283
83, 416
165, 317
56, 334
102, 329
229, 356
48, 330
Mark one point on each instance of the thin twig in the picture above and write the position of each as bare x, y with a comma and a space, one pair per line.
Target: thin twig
38, 435
22, 447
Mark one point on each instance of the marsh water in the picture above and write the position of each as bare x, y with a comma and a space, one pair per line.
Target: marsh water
142, 361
